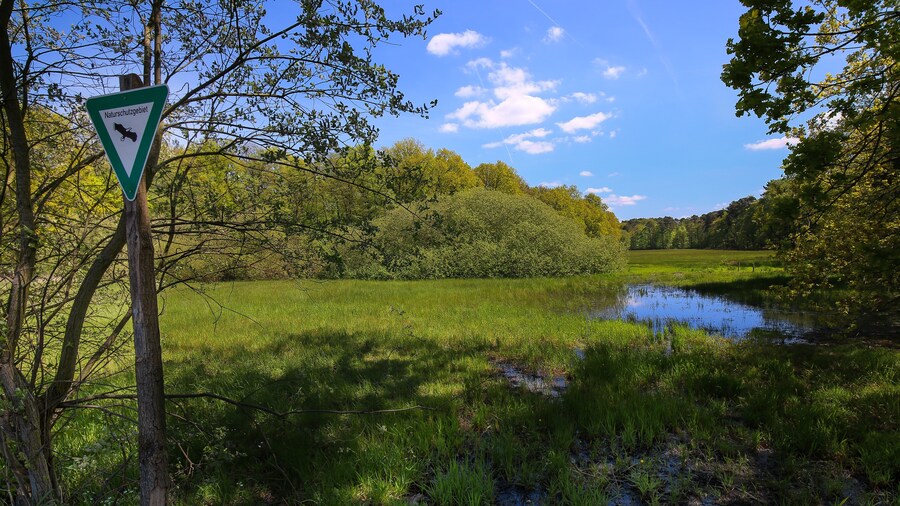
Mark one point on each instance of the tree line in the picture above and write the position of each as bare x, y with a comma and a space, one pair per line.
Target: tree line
404, 212
731, 228
748, 223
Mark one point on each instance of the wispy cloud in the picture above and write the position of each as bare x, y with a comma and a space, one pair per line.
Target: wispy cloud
584, 98
551, 184
554, 34
470, 91
449, 128
618, 201
768, 144
443, 44
542, 12
596, 191
585, 173
636, 14
535, 147
524, 142
613, 72
583, 122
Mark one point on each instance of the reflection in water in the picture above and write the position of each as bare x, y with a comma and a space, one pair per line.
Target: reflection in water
535, 383
660, 306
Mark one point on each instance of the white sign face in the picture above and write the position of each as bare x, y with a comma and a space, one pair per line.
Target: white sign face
126, 127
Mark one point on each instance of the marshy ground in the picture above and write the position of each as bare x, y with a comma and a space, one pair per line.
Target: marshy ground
520, 394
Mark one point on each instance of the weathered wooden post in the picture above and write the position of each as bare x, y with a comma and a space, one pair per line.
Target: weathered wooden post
152, 456
126, 123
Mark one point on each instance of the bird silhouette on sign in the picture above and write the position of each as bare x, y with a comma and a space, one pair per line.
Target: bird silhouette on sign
126, 132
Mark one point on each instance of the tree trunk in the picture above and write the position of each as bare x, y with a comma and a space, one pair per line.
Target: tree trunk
152, 456
20, 422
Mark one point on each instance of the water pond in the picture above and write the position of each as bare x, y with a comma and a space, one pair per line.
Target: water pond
661, 306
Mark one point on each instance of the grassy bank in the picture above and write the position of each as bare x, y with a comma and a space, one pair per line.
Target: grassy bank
504, 390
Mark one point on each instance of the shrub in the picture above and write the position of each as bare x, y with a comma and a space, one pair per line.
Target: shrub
483, 233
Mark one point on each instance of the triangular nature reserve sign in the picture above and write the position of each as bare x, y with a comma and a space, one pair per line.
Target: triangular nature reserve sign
126, 123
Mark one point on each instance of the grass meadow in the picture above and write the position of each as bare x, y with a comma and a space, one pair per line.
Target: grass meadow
440, 378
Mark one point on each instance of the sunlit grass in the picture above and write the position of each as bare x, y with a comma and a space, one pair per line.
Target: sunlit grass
662, 418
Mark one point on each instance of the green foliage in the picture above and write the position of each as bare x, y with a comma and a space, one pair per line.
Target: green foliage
500, 177
844, 172
421, 174
746, 224
589, 210
484, 233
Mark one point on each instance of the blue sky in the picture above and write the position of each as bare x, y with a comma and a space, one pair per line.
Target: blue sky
621, 98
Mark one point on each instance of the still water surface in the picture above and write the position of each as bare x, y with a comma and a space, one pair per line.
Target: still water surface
661, 306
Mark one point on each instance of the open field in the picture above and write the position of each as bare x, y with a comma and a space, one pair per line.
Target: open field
506, 390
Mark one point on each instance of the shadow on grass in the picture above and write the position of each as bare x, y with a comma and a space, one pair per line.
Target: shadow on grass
636, 422
756, 291
241, 455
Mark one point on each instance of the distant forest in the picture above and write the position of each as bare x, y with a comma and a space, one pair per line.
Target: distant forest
749, 223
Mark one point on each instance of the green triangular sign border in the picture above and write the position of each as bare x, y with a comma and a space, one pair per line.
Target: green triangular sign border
94, 105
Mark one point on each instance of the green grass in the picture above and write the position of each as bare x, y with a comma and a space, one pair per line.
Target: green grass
674, 259
735, 422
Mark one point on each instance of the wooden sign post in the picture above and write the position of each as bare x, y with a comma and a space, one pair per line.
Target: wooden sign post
127, 124
152, 456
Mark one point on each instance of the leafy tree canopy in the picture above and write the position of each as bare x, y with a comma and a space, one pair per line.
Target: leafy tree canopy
844, 170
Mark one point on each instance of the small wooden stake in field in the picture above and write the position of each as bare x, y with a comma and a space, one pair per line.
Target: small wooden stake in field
152, 456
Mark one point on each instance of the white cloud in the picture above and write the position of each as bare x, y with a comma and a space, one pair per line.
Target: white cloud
509, 53
470, 91
512, 81
537, 132
583, 122
616, 200
535, 148
613, 72
585, 173
443, 44
551, 184
595, 191
613, 174
585, 98
514, 111
449, 128
516, 103
582, 139
523, 142
480, 62
554, 34
779, 143
613, 134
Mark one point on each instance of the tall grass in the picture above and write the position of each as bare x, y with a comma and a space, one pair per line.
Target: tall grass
661, 418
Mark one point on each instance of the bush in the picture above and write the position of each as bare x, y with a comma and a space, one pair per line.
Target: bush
480, 234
